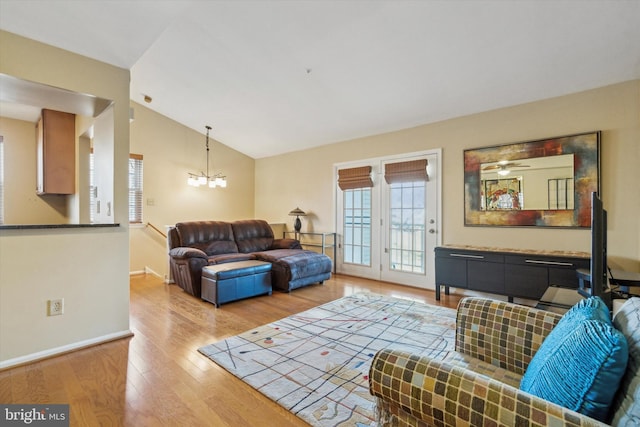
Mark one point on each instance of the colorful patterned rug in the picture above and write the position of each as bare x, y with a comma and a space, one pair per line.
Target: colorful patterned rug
316, 363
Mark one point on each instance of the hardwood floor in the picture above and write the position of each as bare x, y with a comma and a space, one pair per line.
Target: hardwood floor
157, 377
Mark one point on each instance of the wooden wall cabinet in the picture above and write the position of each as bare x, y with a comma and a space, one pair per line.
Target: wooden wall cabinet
514, 274
56, 151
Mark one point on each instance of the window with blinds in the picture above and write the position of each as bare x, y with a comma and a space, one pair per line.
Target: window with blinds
356, 184
407, 210
357, 226
135, 188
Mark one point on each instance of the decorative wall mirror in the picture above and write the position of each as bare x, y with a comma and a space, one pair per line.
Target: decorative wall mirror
544, 183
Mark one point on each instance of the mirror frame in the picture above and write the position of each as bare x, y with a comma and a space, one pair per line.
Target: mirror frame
585, 148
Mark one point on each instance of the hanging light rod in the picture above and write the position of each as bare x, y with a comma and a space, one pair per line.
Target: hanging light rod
202, 179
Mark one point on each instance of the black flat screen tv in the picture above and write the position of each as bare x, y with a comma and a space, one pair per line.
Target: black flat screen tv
599, 282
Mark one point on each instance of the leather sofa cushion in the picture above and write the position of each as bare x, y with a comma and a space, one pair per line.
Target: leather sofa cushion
276, 254
211, 237
232, 257
299, 262
252, 235
221, 247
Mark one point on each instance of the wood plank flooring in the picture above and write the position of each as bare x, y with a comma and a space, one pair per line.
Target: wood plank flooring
157, 377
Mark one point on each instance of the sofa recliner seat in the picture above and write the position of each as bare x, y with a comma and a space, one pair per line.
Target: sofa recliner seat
296, 268
196, 244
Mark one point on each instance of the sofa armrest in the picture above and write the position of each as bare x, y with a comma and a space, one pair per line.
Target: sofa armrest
501, 333
412, 388
285, 244
187, 252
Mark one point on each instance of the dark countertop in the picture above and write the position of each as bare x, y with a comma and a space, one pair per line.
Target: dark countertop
49, 226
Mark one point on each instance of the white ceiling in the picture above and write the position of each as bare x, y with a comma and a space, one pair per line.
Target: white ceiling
277, 76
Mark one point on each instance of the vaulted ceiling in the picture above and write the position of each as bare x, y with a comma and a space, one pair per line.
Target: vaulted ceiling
274, 76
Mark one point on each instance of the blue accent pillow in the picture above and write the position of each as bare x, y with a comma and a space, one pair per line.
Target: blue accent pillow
581, 362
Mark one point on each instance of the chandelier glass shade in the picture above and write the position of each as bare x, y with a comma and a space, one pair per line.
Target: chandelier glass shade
201, 179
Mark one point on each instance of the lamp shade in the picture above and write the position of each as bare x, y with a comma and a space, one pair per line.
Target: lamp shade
297, 212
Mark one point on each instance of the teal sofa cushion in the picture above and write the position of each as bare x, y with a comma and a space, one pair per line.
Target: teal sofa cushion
581, 362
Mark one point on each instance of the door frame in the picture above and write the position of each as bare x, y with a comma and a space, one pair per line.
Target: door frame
426, 280
376, 197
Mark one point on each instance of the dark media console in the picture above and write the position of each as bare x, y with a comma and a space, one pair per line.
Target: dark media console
514, 273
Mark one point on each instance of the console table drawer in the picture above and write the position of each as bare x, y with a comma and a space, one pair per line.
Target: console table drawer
541, 261
452, 271
526, 281
564, 277
486, 276
472, 256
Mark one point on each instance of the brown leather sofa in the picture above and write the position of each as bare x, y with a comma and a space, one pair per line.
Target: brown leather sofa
195, 244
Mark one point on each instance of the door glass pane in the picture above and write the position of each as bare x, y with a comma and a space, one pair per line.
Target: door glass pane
348, 200
406, 227
357, 226
357, 235
396, 197
348, 253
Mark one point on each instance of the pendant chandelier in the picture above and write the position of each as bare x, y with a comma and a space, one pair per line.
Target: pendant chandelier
202, 179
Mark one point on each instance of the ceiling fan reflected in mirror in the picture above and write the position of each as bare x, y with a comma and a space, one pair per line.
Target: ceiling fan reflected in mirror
503, 167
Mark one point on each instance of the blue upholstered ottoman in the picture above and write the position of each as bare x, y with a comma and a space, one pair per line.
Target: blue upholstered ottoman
235, 280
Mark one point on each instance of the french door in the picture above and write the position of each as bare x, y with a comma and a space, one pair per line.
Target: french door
388, 231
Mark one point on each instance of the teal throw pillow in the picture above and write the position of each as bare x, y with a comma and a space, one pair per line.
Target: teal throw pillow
581, 362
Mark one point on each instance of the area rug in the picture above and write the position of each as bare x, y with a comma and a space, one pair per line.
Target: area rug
316, 363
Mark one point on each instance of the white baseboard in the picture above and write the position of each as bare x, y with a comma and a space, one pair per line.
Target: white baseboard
45, 354
147, 270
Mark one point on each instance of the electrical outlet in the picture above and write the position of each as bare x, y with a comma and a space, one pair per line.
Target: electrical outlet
55, 307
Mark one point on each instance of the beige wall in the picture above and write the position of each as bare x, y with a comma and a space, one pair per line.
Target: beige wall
171, 150
87, 267
21, 204
305, 178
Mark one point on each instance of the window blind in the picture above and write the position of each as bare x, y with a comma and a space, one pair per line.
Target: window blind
135, 188
351, 178
409, 171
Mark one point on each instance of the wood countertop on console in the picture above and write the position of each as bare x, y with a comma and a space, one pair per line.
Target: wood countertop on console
541, 252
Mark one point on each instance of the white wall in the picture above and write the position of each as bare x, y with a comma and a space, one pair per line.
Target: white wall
22, 205
88, 267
